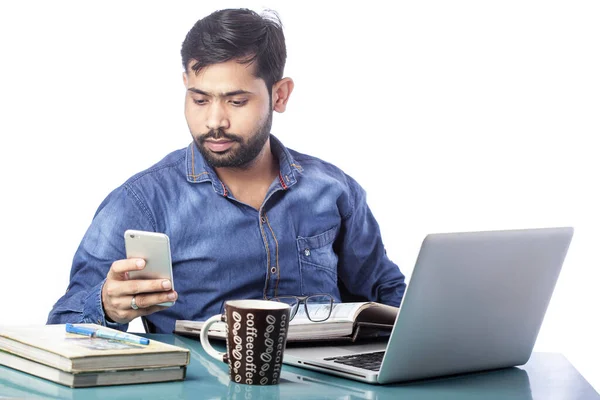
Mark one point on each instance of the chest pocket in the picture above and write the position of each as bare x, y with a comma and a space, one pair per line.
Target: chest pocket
318, 263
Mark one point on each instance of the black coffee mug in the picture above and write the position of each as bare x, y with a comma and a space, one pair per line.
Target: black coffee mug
256, 337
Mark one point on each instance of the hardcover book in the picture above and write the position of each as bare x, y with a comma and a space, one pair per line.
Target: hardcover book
89, 379
52, 346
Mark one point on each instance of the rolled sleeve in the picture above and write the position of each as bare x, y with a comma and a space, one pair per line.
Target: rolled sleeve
94, 311
92, 306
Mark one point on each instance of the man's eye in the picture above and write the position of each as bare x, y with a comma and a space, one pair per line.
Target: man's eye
238, 103
200, 102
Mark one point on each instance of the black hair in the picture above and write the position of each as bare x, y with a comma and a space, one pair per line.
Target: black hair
237, 34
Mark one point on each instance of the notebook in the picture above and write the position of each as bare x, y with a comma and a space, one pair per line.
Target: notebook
475, 302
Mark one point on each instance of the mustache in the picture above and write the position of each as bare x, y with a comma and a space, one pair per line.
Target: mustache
219, 134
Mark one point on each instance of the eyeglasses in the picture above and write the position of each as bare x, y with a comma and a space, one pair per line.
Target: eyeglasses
317, 307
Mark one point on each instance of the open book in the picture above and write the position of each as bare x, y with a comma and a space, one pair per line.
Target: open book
348, 322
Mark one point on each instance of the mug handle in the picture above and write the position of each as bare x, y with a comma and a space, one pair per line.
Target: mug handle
204, 338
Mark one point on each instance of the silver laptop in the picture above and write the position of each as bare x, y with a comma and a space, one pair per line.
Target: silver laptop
475, 302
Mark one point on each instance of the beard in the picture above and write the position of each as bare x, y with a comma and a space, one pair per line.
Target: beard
239, 155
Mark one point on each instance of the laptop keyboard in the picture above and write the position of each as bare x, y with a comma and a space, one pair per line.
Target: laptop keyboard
370, 361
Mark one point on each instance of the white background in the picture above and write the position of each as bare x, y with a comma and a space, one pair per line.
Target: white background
454, 116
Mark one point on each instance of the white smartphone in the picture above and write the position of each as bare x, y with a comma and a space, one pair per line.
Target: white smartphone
155, 249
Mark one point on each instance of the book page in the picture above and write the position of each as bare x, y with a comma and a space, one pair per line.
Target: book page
341, 312
340, 323
301, 328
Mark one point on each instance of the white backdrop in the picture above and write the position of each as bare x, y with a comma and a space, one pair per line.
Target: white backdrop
454, 116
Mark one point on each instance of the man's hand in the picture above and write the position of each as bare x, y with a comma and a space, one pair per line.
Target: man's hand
118, 291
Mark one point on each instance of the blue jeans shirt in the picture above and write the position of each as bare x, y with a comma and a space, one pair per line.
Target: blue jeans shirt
314, 233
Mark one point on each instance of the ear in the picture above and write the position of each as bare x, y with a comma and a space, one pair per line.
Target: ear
281, 93
185, 80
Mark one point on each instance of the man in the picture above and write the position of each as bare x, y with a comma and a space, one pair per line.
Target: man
246, 217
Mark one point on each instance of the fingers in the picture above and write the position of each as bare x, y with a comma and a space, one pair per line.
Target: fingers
120, 268
118, 308
115, 288
149, 300
118, 291
147, 286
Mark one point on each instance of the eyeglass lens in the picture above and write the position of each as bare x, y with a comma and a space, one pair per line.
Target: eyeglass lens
318, 307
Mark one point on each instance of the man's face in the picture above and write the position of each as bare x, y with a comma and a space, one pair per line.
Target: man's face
228, 111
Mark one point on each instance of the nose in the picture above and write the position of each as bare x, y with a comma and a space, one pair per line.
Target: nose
217, 117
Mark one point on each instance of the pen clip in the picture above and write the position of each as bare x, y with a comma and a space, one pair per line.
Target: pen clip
80, 330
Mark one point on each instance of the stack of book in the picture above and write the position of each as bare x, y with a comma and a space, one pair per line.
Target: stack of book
49, 352
348, 322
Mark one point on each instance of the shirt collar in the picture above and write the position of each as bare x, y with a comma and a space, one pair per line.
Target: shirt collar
198, 170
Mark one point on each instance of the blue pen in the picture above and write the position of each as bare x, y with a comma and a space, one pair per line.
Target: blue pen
93, 332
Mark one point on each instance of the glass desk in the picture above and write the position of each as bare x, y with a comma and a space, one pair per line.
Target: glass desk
546, 376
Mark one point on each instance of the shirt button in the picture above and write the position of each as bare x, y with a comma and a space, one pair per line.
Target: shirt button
263, 219
273, 270
307, 252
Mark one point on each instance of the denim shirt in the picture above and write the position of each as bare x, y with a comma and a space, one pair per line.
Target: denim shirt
313, 233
